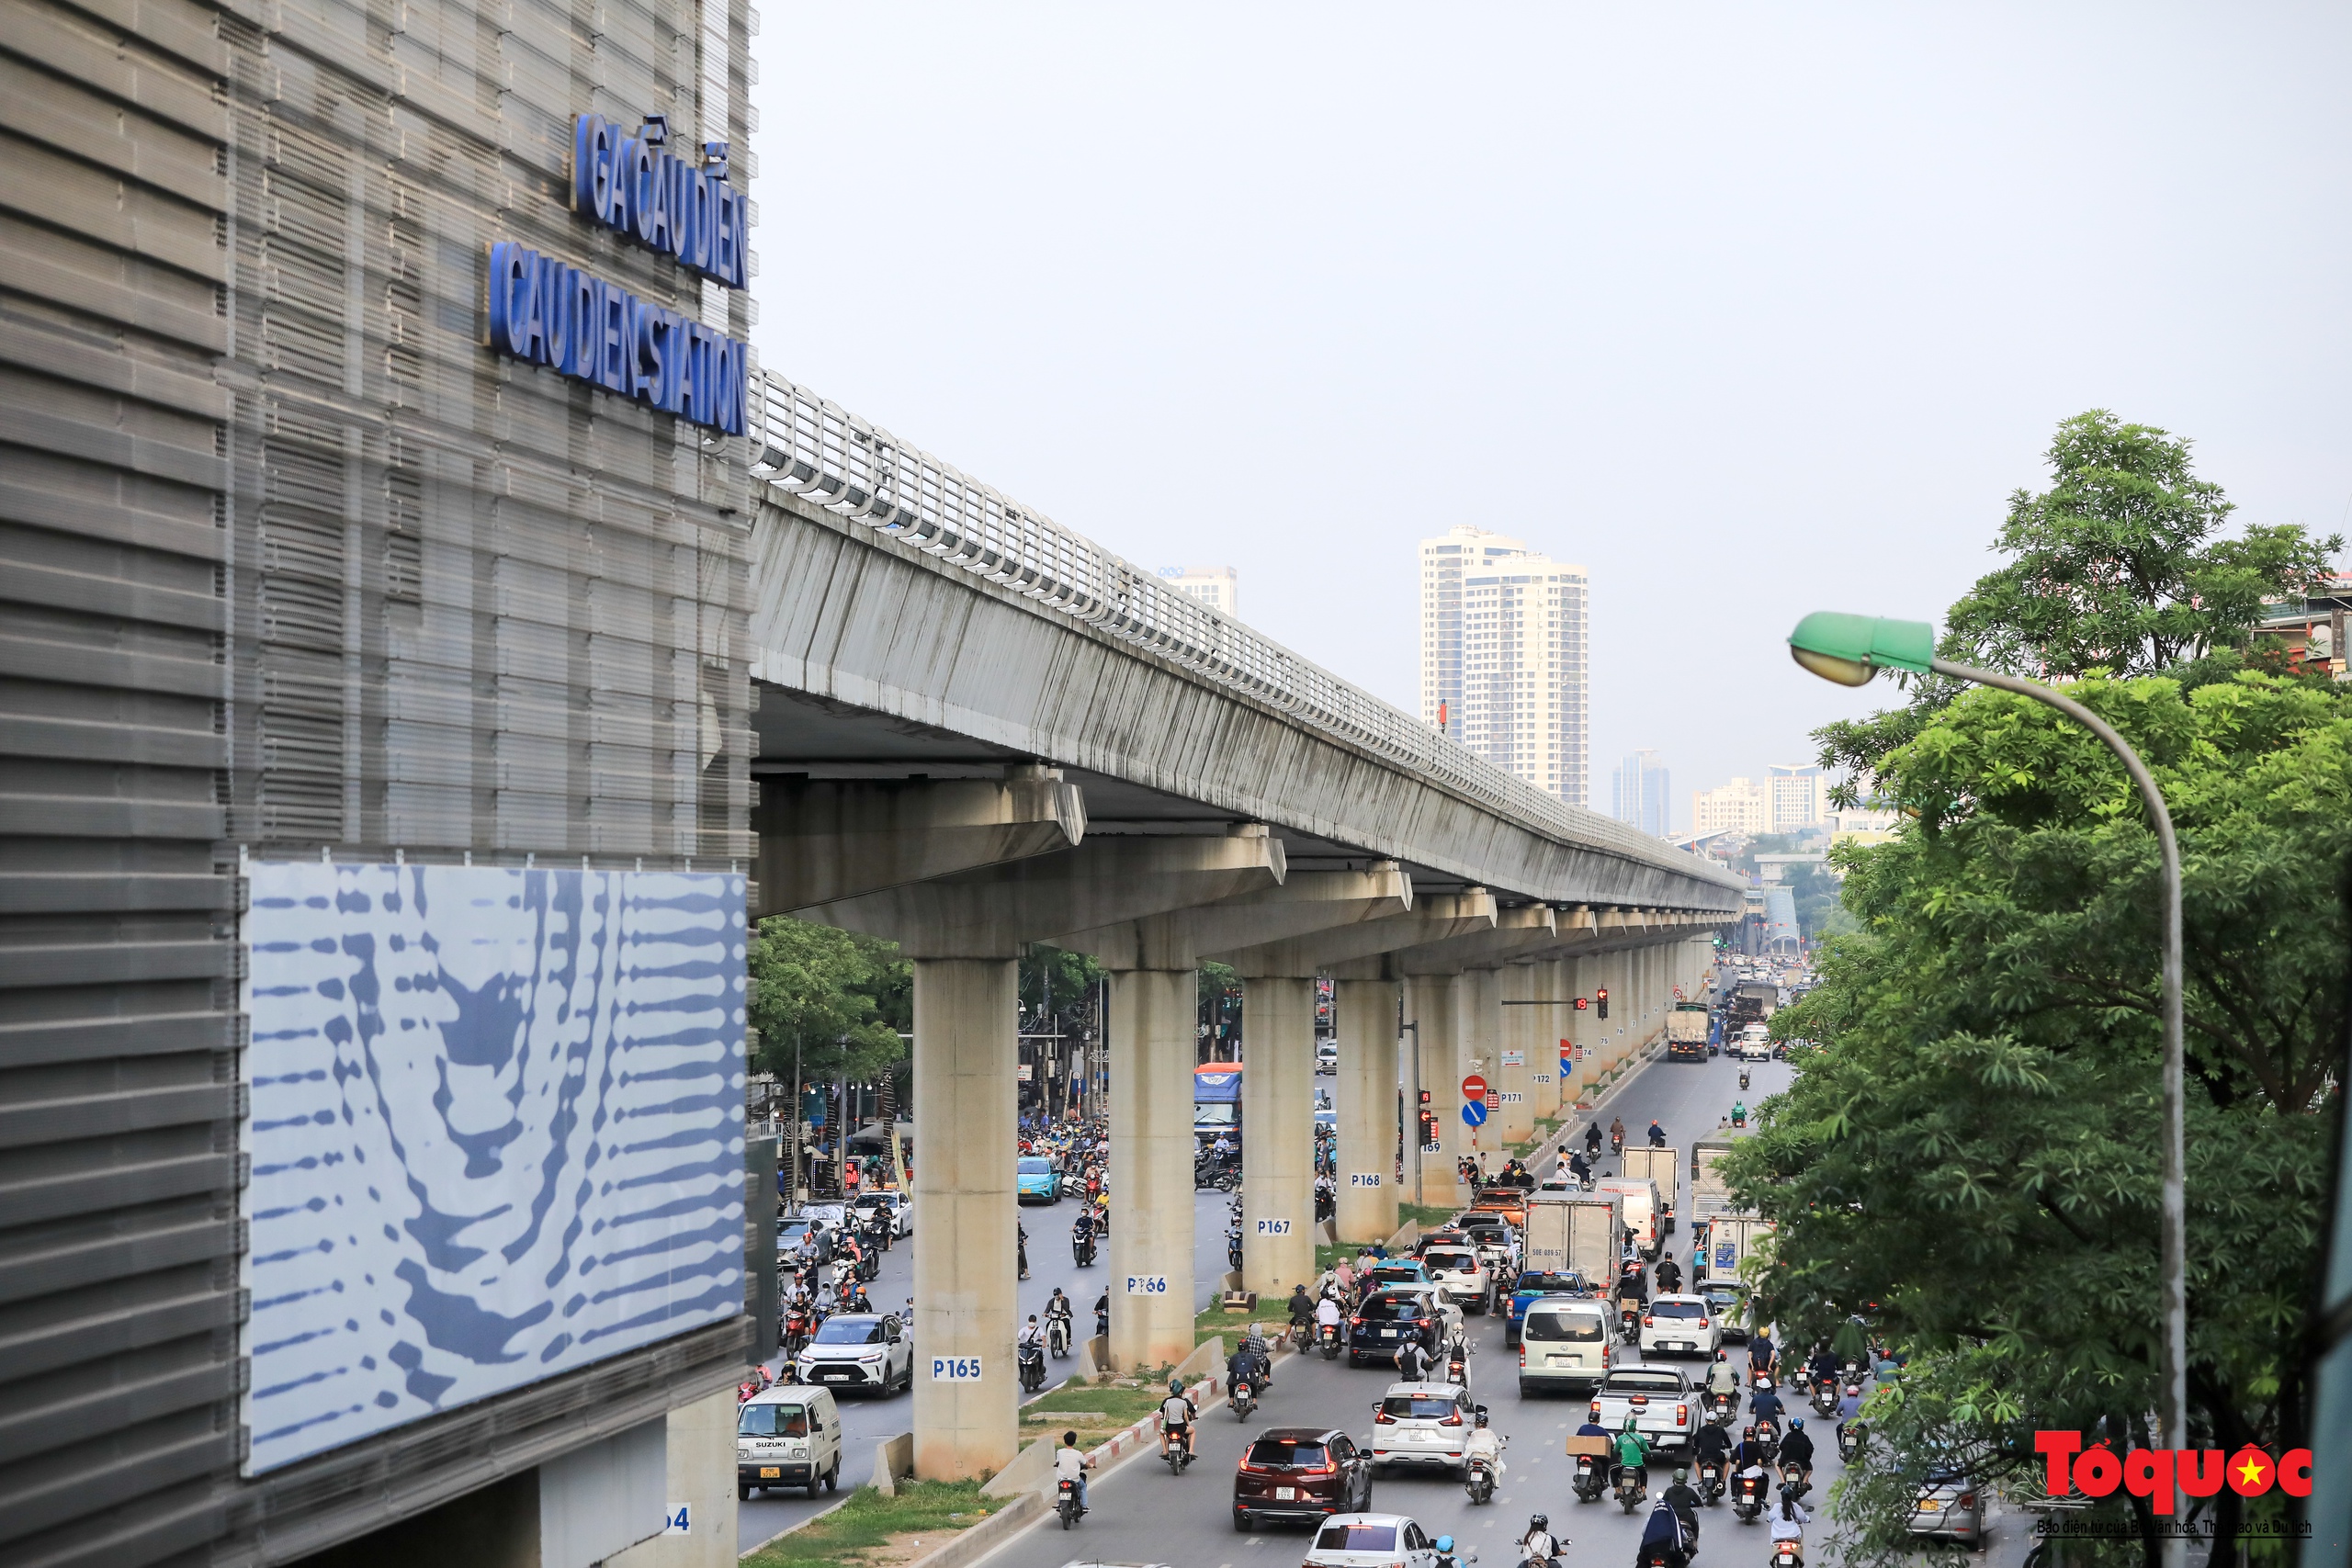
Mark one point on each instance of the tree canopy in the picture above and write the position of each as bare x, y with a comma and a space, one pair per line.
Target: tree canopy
1973, 1152
838, 999
2120, 565
1969, 1155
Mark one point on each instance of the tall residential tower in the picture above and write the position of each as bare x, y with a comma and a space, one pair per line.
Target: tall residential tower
1504, 642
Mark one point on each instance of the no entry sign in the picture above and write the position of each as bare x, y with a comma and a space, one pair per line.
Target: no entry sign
1473, 1087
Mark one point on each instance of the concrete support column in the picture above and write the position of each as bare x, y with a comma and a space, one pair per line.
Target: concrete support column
1277, 1136
1520, 1027
1367, 1107
1154, 1017
1433, 1002
967, 1047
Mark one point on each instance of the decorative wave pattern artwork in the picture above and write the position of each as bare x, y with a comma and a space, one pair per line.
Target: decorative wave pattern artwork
495, 1121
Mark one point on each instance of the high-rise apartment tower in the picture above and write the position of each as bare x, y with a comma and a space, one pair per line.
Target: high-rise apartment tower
1505, 645
1641, 793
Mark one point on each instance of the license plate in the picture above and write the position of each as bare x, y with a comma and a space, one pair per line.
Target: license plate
1681, 1345
1285, 1494
1560, 1361
1929, 1506
770, 1472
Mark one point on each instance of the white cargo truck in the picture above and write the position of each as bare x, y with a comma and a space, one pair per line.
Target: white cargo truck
1731, 1239
1663, 1168
1709, 1195
1575, 1233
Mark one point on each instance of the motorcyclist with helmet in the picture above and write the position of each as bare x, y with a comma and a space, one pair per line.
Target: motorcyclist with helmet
1539, 1544
1176, 1413
1658, 1135
1669, 1276
1684, 1500
1632, 1453
1302, 1317
1796, 1448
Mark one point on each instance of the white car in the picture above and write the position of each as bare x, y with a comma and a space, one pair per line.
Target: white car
1461, 1273
1370, 1540
1422, 1424
866, 1351
1682, 1326
1327, 1055
787, 1437
902, 1208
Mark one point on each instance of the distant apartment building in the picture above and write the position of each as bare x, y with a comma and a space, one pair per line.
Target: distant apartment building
1218, 587
1443, 560
1741, 806
1641, 793
1799, 795
1506, 645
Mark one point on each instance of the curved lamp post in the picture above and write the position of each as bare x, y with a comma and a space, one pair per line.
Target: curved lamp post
1850, 649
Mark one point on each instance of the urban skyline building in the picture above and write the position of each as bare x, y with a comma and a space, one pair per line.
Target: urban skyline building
1506, 646
1218, 587
1641, 791
1800, 796
1741, 806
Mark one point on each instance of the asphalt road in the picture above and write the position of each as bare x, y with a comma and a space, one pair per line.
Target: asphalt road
1143, 1514
866, 1419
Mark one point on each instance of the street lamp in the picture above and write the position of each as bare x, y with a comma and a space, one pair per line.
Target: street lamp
1850, 649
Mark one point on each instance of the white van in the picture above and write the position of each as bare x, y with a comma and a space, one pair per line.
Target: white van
788, 1436
1643, 1210
1564, 1345
1754, 1045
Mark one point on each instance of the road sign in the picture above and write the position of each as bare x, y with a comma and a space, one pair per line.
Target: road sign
1474, 1111
1473, 1087
1494, 1102
1514, 1058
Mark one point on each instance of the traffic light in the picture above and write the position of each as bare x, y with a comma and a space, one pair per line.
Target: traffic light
1425, 1096
1583, 1002
1600, 1002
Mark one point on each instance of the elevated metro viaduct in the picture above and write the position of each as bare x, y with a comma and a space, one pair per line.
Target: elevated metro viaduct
975, 731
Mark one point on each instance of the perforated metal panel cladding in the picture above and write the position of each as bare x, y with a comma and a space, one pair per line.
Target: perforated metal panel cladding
290, 562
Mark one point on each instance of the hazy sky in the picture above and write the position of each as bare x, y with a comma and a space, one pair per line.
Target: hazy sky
1749, 311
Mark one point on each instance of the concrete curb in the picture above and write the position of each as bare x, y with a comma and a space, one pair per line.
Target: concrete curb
971, 1545
1639, 1059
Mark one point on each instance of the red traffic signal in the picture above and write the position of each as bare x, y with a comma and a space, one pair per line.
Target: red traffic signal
1425, 1096
1583, 1002
1600, 1002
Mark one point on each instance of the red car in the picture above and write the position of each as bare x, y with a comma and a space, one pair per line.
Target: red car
1300, 1473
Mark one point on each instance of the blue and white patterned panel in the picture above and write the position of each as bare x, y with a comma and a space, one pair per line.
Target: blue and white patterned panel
496, 1128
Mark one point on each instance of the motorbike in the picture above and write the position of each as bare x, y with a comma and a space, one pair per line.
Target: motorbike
1767, 1438
1629, 1321
1478, 1480
1327, 1339
1057, 1336
1081, 1249
1233, 1248
1784, 1554
1632, 1488
1179, 1452
869, 1264
1209, 1172
1033, 1367
1588, 1479
1021, 1253
1851, 1435
1747, 1498
1616, 1143
1457, 1370
795, 1334
1446, 1557
1723, 1408
1824, 1396
1794, 1482
1243, 1400
1743, 1078
1710, 1482
1066, 1503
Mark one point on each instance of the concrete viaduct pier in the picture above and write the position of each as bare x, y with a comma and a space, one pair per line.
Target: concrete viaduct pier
975, 729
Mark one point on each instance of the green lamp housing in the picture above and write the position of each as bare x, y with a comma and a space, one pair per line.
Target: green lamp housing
1850, 649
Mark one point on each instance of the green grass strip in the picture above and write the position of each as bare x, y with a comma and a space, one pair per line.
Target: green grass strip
869, 1519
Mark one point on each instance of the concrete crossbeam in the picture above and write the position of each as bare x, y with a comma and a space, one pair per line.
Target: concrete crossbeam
823, 841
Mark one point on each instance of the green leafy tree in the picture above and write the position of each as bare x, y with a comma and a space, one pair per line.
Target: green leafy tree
1971, 1156
2120, 565
834, 1001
